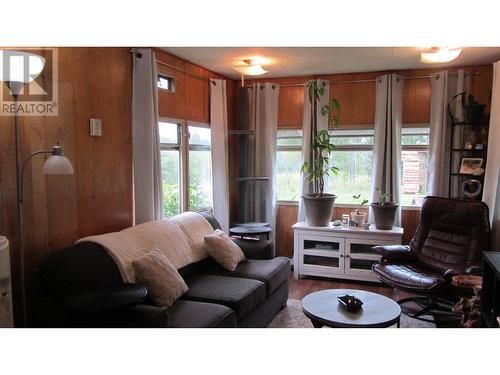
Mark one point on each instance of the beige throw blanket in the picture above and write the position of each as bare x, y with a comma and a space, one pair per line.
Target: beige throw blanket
177, 239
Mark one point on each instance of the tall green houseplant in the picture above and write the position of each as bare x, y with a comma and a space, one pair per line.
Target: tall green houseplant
319, 205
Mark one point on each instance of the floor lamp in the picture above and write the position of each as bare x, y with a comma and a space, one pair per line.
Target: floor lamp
18, 69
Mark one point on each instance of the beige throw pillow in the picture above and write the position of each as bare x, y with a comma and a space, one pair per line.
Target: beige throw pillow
224, 250
164, 284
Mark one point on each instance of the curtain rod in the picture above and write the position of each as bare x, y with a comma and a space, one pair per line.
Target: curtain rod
374, 79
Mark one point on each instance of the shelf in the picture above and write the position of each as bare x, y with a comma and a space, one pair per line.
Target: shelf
467, 175
467, 150
251, 178
469, 124
241, 132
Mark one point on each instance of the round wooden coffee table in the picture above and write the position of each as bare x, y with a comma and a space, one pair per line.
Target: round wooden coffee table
324, 309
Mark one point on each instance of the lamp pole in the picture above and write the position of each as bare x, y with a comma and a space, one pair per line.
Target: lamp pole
20, 219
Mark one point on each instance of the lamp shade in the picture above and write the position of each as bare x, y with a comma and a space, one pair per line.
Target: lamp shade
250, 70
57, 164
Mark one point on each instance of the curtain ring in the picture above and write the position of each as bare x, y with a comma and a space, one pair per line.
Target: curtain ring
437, 77
262, 87
213, 83
138, 55
274, 87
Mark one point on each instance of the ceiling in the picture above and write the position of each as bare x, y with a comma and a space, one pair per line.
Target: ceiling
304, 61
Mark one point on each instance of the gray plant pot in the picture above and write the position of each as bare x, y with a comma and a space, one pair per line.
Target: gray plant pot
319, 209
384, 216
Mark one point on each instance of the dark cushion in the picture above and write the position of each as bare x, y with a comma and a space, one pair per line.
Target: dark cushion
190, 314
272, 272
410, 277
240, 295
209, 216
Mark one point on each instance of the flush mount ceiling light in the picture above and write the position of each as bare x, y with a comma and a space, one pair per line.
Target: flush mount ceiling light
440, 55
250, 68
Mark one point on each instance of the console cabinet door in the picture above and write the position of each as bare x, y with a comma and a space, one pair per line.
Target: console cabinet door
360, 256
321, 255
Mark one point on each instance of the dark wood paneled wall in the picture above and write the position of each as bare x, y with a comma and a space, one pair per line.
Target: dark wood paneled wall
191, 99
93, 82
357, 100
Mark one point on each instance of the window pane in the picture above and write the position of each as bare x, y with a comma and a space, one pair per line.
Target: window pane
170, 181
200, 179
169, 133
415, 136
352, 137
199, 136
165, 83
289, 138
288, 165
414, 177
354, 177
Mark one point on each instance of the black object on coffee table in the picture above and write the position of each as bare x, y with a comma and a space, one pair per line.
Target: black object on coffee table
324, 309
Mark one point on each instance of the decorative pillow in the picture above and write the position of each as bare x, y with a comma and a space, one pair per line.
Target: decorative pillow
224, 250
164, 284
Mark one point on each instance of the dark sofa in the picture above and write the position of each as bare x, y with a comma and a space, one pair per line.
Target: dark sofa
248, 297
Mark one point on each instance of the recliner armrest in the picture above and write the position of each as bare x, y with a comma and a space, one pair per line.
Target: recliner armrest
395, 253
255, 249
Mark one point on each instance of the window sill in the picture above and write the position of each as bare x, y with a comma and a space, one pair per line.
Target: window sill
344, 205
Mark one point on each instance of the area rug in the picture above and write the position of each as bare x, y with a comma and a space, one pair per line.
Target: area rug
293, 317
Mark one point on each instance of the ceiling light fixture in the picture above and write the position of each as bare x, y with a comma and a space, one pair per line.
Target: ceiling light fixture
439, 55
249, 69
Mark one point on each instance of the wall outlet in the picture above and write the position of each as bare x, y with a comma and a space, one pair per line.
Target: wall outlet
96, 127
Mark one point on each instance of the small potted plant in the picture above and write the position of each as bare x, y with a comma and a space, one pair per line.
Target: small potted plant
384, 211
357, 216
319, 205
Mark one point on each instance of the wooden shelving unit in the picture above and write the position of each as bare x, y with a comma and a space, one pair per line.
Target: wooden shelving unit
460, 134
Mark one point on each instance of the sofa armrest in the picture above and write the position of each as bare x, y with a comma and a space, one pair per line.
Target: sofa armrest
255, 249
395, 253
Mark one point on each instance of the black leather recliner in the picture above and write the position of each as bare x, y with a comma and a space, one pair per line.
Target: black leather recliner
449, 240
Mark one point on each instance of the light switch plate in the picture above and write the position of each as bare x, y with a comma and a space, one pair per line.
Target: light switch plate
96, 127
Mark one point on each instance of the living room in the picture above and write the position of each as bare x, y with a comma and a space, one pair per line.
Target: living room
175, 182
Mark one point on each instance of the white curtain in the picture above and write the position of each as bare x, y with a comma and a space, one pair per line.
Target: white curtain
218, 125
438, 172
264, 120
305, 186
491, 192
148, 197
386, 171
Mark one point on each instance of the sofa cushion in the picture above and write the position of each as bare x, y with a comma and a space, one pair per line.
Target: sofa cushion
160, 277
224, 250
239, 294
272, 272
191, 314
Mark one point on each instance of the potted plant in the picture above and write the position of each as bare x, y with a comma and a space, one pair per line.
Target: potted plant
384, 211
357, 216
319, 205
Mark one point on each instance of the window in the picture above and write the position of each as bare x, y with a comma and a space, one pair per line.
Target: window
415, 160
165, 82
185, 151
288, 163
170, 167
200, 168
353, 155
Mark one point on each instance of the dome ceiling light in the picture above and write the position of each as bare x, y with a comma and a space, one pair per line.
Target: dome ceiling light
440, 55
250, 68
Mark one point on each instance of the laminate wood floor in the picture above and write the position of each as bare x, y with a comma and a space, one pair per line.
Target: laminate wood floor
298, 289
